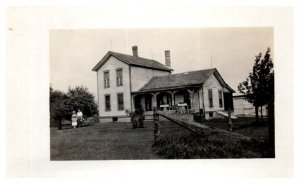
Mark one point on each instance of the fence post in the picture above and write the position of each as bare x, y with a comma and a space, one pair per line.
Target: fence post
229, 120
156, 125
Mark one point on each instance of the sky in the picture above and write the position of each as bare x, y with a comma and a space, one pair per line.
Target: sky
73, 53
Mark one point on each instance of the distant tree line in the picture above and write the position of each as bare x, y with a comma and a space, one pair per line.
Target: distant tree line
63, 104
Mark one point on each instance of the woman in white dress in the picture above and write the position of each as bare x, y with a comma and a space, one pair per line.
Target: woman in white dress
74, 119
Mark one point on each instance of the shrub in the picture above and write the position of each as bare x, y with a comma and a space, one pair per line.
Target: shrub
57, 107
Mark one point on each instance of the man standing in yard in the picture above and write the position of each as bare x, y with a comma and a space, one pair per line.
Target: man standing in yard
79, 117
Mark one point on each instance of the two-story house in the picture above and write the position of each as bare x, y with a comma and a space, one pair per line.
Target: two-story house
125, 82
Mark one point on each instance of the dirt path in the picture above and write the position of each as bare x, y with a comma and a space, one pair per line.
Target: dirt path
103, 141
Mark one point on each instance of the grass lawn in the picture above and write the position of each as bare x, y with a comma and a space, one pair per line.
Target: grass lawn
102, 141
118, 141
218, 145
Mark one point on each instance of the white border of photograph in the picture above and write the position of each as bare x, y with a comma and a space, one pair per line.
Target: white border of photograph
28, 142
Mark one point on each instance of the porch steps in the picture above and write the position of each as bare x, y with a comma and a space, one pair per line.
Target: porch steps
225, 114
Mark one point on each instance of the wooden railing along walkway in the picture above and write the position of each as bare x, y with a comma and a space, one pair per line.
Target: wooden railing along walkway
193, 126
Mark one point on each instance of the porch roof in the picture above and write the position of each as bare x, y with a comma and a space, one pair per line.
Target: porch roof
182, 80
167, 88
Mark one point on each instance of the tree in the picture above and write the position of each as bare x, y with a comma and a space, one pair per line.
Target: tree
57, 107
62, 105
258, 88
80, 98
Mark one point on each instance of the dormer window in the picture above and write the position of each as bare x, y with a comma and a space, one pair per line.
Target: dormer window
106, 79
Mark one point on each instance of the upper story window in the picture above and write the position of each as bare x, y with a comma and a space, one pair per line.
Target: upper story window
220, 98
106, 79
210, 98
119, 73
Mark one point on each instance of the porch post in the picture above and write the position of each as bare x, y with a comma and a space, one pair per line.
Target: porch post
191, 98
132, 103
199, 101
173, 99
155, 100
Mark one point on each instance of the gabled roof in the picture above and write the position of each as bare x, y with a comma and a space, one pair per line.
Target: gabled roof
132, 60
192, 78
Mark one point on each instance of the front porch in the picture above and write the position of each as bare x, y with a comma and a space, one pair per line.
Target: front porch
180, 101
177, 101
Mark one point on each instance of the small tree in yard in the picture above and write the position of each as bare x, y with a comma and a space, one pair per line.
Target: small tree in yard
80, 98
259, 87
62, 105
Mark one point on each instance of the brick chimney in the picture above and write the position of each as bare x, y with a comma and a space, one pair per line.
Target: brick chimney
167, 58
135, 51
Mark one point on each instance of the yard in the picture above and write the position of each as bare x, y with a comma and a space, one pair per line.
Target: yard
115, 141
102, 141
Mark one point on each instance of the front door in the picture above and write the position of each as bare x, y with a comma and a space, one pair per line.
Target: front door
148, 102
137, 102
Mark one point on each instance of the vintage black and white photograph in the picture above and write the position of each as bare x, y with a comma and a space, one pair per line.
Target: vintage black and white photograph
162, 93
153, 93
